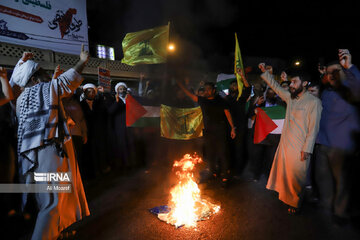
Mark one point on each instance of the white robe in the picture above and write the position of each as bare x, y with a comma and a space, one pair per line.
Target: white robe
301, 125
38, 133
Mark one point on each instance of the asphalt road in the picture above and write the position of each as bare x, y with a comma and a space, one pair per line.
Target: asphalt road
120, 206
119, 203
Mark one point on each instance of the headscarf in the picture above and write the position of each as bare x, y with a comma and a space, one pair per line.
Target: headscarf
23, 72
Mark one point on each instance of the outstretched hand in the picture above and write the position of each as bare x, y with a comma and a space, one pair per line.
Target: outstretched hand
3, 73
84, 58
101, 89
305, 156
345, 58
84, 55
233, 133
259, 100
262, 67
243, 78
283, 76
321, 69
58, 71
26, 56
240, 72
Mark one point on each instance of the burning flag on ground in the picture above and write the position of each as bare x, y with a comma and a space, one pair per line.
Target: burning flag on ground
186, 206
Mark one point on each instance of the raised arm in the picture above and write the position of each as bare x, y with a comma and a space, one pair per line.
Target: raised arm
141, 91
243, 78
187, 92
84, 58
26, 56
351, 71
269, 79
5, 86
67, 82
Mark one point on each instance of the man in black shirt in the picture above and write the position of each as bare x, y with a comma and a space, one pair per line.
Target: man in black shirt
238, 112
217, 118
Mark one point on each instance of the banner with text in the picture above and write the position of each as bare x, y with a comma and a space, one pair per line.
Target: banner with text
60, 26
104, 79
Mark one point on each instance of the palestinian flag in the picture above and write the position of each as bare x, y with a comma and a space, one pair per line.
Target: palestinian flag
223, 81
142, 112
269, 120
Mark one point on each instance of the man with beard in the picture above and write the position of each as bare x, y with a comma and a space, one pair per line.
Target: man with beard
95, 150
301, 125
238, 114
339, 126
120, 141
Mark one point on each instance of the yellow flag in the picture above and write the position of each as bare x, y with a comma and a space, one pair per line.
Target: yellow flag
181, 123
238, 64
146, 47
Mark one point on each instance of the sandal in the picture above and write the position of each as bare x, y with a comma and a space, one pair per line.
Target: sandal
67, 235
293, 211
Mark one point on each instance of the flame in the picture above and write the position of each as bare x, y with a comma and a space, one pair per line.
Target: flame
186, 204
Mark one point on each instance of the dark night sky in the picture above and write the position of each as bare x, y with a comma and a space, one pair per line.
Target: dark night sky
203, 31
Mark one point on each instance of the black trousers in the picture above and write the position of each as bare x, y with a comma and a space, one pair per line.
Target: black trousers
332, 178
238, 152
78, 148
261, 156
217, 153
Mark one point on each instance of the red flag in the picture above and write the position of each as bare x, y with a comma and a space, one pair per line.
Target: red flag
263, 126
134, 110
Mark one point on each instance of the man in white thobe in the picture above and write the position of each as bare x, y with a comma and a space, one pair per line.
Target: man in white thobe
301, 125
44, 143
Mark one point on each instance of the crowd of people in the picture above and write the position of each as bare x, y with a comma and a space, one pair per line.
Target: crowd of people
316, 152
53, 124
56, 124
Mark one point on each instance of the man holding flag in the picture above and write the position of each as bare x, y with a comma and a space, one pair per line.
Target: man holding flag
237, 107
216, 117
301, 125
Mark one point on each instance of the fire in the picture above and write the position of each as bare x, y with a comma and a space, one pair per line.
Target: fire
186, 204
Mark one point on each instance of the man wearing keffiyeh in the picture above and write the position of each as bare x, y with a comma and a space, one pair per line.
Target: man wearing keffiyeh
44, 142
